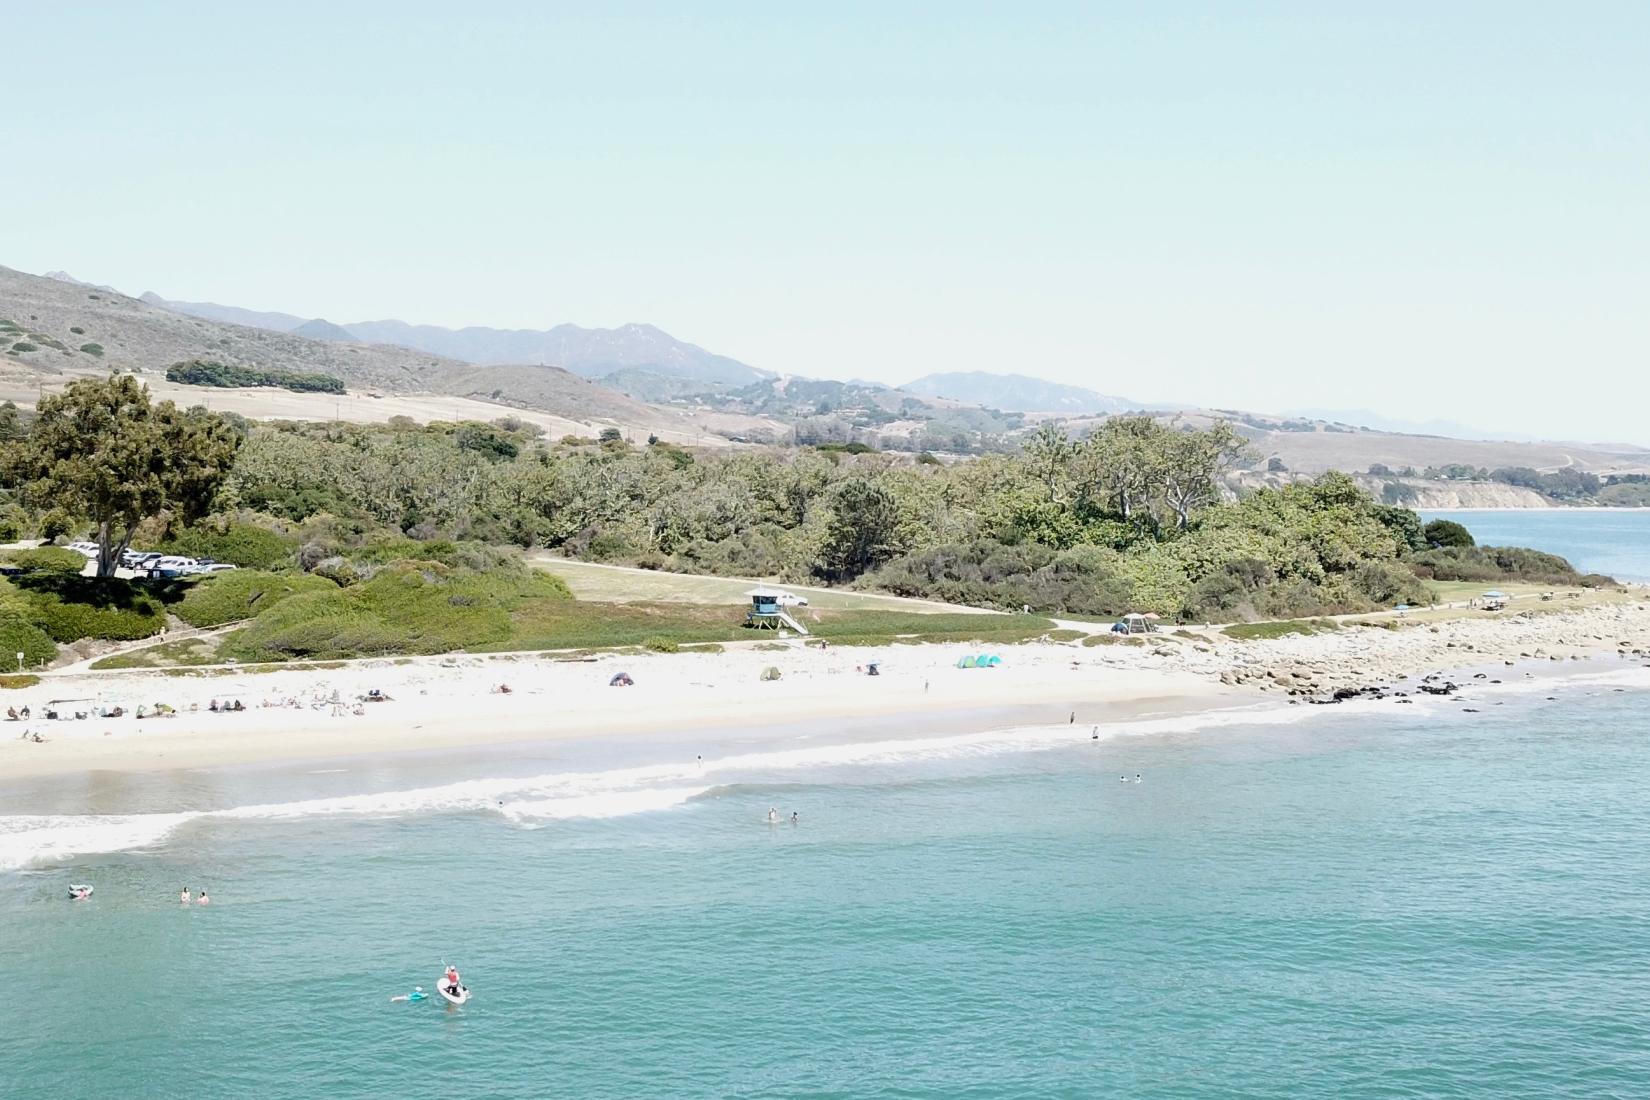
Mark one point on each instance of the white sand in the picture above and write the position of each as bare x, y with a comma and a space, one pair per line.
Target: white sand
447, 702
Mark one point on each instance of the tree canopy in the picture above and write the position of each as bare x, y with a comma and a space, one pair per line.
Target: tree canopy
103, 450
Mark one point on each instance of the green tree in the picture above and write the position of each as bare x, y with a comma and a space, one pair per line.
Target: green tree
11, 423
1191, 464
862, 531
104, 450
1405, 526
1446, 532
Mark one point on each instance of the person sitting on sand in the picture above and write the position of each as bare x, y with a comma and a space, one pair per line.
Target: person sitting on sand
38, 740
11, 714
213, 707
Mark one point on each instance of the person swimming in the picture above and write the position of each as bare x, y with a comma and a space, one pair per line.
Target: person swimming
795, 818
773, 815
417, 994
1137, 777
184, 896
203, 899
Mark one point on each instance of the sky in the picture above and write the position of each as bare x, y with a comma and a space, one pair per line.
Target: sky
1433, 211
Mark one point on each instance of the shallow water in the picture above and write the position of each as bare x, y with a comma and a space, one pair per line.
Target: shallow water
1392, 900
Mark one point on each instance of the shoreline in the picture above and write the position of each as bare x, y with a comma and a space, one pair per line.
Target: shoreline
448, 704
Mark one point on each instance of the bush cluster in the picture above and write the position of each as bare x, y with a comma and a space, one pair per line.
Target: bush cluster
243, 594
206, 372
243, 544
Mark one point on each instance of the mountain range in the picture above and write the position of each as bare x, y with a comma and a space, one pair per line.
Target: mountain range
589, 352
1017, 393
645, 382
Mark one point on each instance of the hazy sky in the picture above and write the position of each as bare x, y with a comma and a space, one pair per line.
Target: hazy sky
1431, 210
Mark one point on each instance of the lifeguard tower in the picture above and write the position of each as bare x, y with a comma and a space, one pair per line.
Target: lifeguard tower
767, 613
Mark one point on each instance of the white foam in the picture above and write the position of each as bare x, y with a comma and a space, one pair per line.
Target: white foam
26, 840
531, 801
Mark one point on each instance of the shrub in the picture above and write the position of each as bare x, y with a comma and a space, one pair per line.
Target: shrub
92, 349
69, 608
24, 345
18, 634
47, 559
56, 523
407, 607
1494, 563
660, 645
243, 594
17, 681
242, 544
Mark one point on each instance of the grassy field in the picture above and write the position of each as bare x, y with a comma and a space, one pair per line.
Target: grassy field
181, 654
1281, 629
612, 584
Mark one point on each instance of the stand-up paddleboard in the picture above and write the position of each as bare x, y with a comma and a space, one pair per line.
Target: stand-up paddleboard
453, 995
79, 891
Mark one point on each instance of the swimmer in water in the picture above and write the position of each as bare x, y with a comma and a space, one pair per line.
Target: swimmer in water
1137, 777
203, 899
795, 819
417, 994
184, 897
773, 815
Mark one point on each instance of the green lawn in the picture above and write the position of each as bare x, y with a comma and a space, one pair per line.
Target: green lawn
608, 584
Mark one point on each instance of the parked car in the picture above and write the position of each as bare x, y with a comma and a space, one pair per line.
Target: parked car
85, 549
216, 567
788, 599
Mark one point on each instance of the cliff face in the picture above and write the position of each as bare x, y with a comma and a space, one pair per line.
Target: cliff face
1444, 496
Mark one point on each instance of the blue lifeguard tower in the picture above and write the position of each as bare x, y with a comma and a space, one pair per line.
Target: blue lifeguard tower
767, 613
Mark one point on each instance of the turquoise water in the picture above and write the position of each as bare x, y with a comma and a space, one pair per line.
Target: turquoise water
1614, 542
1388, 901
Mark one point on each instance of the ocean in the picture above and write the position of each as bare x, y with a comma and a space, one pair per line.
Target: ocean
1371, 900
1615, 542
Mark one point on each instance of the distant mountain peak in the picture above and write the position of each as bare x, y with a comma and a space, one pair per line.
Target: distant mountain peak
322, 329
65, 277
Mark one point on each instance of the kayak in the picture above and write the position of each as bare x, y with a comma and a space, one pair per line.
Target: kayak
79, 891
453, 995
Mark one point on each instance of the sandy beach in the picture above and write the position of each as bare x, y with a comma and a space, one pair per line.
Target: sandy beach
454, 702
